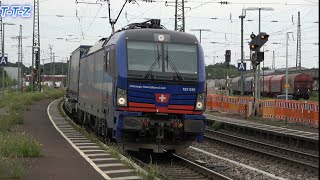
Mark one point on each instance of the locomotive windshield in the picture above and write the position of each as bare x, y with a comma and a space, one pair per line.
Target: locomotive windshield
141, 56
183, 57
152, 57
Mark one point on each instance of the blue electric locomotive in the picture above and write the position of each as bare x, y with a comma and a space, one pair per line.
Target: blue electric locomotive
144, 86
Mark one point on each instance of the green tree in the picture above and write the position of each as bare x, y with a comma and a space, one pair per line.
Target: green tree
218, 71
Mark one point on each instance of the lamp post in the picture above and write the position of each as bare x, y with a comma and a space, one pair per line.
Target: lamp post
287, 44
2, 50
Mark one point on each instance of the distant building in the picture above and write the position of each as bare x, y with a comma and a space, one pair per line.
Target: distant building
49, 79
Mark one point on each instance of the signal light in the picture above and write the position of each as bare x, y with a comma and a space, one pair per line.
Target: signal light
252, 36
228, 56
264, 36
254, 47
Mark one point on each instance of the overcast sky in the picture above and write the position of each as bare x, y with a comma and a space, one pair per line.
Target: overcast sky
84, 24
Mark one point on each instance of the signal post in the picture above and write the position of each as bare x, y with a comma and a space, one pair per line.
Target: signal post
257, 57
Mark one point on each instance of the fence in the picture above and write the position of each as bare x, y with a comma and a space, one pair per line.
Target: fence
290, 110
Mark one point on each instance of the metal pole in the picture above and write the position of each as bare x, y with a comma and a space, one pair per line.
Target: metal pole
43, 80
175, 15
21, 61
258, 67
263, 76
273, 61
287, 64
2, 57
183, 21
62, 73
242, 53
54, 71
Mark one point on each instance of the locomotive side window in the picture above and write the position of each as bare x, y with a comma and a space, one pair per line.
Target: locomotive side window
107, 59
110, 59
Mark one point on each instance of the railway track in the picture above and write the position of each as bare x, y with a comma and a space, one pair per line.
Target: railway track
172, 166
298, 159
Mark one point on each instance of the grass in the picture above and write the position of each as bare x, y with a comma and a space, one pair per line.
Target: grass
217, 125
11, 168
5, 123
18, 145
13, 145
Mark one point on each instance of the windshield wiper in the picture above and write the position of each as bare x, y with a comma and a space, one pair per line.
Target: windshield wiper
172, 65
153, 64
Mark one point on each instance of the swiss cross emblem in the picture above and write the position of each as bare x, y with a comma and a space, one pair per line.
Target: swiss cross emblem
162, 98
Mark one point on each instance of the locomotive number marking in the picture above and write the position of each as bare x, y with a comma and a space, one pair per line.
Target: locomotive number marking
189, 89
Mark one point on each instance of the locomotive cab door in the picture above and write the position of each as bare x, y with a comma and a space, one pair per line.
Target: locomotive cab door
107, 88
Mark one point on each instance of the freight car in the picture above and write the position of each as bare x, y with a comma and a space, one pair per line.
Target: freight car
143, 86
300, 85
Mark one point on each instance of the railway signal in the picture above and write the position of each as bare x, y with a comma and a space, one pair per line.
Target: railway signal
258, 57
228, 56
258, 41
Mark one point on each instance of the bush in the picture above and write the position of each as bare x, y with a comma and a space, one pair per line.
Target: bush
18, 145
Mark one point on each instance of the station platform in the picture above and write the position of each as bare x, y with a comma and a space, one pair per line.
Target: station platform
280, 131
67, 154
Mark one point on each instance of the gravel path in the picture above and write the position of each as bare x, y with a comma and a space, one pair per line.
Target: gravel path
273, 167
224, 167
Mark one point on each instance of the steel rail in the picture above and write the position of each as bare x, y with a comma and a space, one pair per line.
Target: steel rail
309, 161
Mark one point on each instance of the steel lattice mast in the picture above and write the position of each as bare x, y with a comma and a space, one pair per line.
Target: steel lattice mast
36, 74
179, 18
179, 24
298, 56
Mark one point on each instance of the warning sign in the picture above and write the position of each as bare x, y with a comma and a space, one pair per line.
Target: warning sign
286, 85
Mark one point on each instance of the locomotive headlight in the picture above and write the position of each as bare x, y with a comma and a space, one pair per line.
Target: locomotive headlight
122, 101
199, 105
200, 102
121, 97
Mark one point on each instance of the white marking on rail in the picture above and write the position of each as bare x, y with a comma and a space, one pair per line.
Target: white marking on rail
89, 147
74, 136
80, 141
98, 154
67, 131
63, 125
70, 132
103, 159
237, 163
77, 138
66, 127
118, 171
110, 165
105, 176
84, 144
93, 150
127, 177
